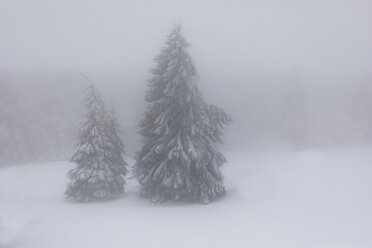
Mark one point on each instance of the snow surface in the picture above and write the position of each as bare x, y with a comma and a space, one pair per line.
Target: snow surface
319, 198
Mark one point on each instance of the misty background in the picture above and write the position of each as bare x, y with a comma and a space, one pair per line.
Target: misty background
265, 62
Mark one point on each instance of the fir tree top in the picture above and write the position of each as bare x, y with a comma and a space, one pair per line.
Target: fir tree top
92, 136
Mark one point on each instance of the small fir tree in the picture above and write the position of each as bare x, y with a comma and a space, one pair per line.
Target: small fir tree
179, 159
100, 169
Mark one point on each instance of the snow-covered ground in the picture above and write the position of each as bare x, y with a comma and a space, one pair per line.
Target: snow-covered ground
318, 198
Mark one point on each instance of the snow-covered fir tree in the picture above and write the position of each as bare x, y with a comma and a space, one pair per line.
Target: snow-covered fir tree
100, 169
179, 159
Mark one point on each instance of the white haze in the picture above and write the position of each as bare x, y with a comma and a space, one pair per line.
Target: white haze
295, 75
246, 53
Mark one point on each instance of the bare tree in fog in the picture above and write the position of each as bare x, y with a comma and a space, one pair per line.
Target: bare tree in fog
293, 114
4, 133
180, 158
100, 167
17, 133
36, 118
362, 111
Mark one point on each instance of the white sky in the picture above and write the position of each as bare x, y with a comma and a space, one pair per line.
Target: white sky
321, 36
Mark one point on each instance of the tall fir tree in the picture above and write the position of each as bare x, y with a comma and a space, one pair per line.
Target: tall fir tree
180, 159
100, 169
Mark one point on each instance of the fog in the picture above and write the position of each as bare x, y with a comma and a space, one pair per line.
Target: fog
295, 76
251, 56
